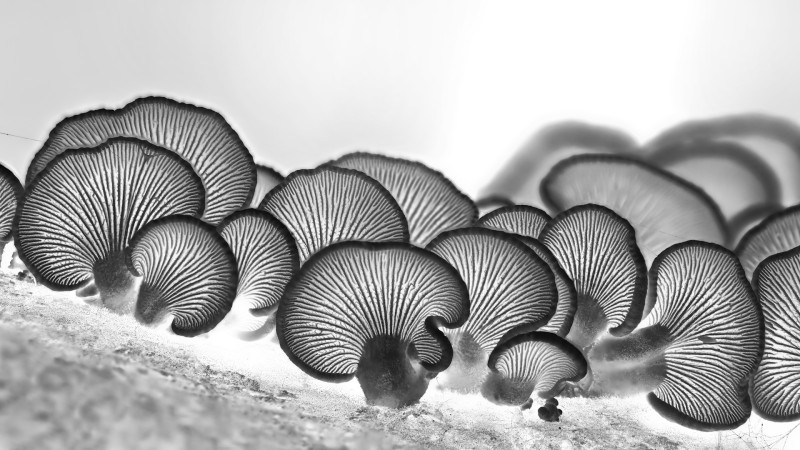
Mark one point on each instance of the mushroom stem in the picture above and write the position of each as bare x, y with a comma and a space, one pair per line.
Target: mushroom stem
390, 374
116, 285
590, 322
469, 366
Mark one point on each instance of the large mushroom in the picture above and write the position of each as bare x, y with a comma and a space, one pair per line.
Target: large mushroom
81, 211
189, 274
199, 135
430, 202
11, 194
778, 233
701, 343
371, 310
518, 219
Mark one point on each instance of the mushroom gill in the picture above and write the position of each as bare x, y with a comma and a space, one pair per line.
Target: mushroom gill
777, 233
11, 195
517, 219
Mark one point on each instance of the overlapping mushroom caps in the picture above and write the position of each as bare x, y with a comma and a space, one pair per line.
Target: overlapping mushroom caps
520, 178
331, 204
701, 345
663, 208
266, 179
775, 388
777, 233
488, 204
536, 361
199, 135
189, 274
266, 258
430, 202
81, 211
510, 289
597, 249
11, 193
371, 310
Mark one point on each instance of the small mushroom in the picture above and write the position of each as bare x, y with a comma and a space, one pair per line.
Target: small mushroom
81, 211
517, 219
701, 343
778, 233
331, 204
189, 274
371, 310
11, 194
430, 202
511, 291
488, 204
266, 179
746, 220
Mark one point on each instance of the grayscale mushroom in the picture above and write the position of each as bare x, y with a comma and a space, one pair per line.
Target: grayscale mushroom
81, 211
663, 208
188, 272
699, 347
371, 310
597, 249
510, 288
517, 219
778, 233
746, 220
266, 258
11, 194
775, 389
535, 361
331, 204
430, 202
488, 204
520, 177
266, 179
199, 135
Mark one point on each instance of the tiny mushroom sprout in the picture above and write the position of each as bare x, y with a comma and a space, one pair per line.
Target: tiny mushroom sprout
430, 202
597, 249
330, 204
663, 208
11, 193
775, 388
266, 257
511, 291
749, 218
189, 274
535, 361
200, 136
371, 310
778, 233
699, 347
80, 213
266, 179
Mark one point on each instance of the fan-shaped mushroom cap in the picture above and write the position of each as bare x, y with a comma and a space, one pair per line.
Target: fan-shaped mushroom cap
11, 194
663, 208
266, 179
534, 361
520, 178
488, 204
777, 233
81, 211
266, 258
746, 220
776, 385
510, 289
430, 202
703, 340
331, 204
188, 272
371, 310
517, 219
199, 135
775, 140
597, 249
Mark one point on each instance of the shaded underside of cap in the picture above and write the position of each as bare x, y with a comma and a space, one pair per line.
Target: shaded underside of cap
488, 204
353, 292
509, 285
187, 270
199, 135
715, 335
431, 202
11, 194
663, 208
597, 249
777, 233
517, 219
775, 389
331, 204
266, 179
87, 204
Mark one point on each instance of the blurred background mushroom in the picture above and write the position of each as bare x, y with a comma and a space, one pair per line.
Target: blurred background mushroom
266, 179
777, 233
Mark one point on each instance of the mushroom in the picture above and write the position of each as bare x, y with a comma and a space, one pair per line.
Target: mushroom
743, 222
199, 135
371, 310
266, 179
266, 258
430, 202
778, 233
81, 211
536, 361
699, 346
663, 208
597, 249
510, 288
775, 388
11, 193
520, 178
331, 204
517, 219
189, 274
488, 204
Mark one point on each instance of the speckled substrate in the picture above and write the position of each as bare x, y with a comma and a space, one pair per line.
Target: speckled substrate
76, 376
